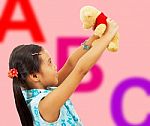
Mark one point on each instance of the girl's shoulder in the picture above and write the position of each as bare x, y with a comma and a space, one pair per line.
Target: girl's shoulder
30, 94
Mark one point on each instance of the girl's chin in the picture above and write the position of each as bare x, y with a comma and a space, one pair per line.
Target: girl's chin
56, 82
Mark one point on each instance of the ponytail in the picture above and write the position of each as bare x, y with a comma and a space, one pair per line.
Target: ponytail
23, 63
22, 108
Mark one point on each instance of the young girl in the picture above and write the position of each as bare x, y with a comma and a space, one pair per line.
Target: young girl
41, 93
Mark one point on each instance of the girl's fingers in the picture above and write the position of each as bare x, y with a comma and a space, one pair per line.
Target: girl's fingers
108, 19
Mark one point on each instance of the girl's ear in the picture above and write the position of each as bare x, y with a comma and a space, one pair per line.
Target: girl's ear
33, 77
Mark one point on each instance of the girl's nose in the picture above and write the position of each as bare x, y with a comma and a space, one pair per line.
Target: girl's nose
55, 67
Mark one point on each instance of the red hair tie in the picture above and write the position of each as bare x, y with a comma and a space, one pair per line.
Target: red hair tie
13, 73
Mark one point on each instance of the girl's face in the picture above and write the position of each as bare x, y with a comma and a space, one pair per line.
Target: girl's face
48, 70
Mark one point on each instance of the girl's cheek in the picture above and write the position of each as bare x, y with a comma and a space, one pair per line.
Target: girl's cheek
49, 65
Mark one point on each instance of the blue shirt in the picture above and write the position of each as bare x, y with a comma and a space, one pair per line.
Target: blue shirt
67, 116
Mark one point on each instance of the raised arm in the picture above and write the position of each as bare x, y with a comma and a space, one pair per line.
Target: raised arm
73, 59
51, 104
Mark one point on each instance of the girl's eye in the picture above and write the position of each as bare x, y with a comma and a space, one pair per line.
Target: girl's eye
49, 61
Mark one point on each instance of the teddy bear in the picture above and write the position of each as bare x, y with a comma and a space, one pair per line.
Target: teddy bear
93, 18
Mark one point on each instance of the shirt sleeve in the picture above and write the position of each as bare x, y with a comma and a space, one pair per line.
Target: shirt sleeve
37, 118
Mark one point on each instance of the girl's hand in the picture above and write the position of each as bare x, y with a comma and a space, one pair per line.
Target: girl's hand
110, 32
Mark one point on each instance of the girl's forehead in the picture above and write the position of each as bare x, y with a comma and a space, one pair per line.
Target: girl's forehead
44, 55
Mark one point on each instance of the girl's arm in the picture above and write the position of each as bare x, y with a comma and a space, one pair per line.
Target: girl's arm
79, 52
50, 106
73, 59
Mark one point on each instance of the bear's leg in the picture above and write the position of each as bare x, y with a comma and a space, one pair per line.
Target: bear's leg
114, 44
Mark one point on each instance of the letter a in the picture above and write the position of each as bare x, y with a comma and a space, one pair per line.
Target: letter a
30, 22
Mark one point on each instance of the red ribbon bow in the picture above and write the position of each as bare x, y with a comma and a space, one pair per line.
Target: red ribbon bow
13, 73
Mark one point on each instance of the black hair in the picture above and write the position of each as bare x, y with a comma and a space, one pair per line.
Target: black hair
22, 59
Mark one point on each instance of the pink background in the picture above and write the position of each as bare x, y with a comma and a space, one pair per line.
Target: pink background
61, 18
